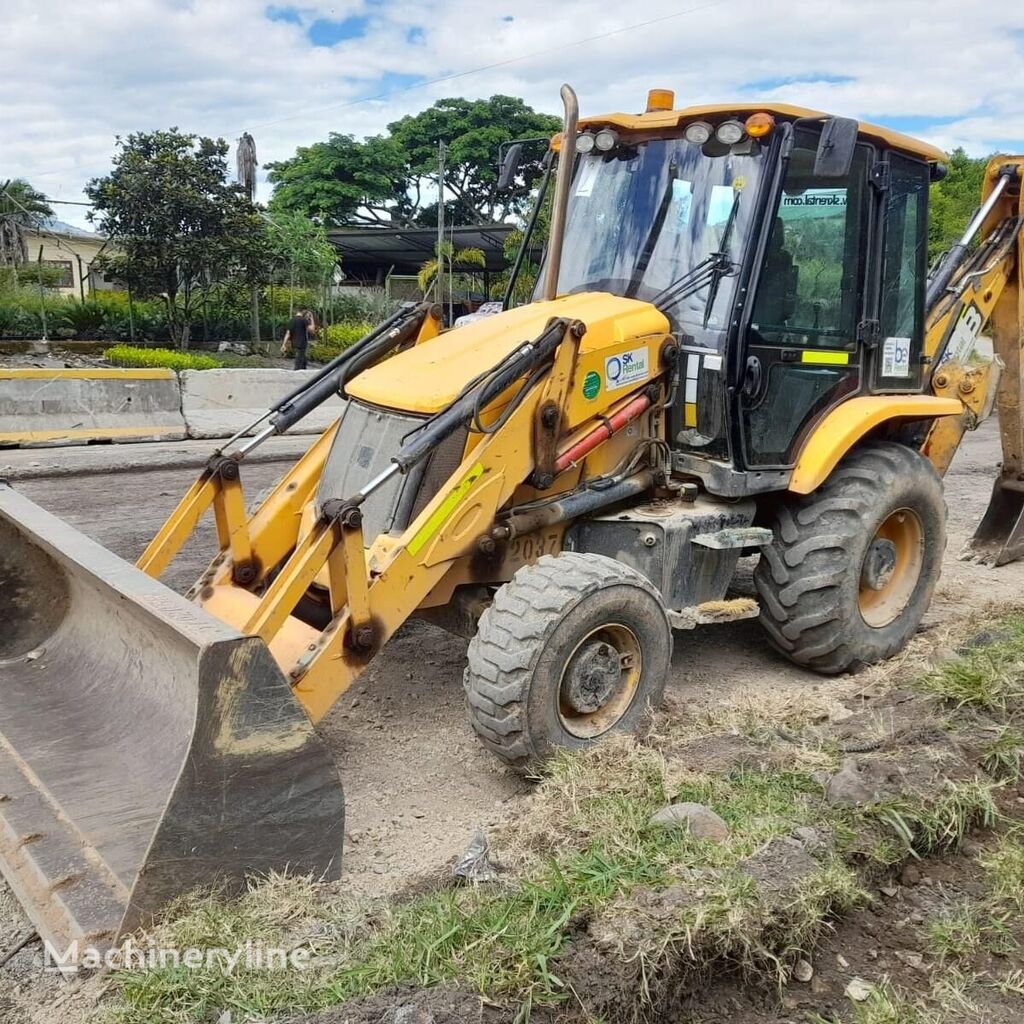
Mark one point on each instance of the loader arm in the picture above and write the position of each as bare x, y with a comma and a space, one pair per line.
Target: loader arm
984, 293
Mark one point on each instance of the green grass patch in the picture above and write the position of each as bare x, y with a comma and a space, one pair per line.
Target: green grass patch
989, 677
171, 359
333, 340
1004, 869
970, 929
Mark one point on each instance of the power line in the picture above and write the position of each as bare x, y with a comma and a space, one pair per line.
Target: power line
485, 67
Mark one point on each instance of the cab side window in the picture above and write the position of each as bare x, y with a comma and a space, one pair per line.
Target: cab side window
904, 268
811, 278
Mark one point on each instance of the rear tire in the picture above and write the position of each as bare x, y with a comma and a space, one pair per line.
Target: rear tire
573, 648
853, 566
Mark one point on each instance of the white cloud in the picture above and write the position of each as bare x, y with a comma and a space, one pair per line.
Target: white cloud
74, 77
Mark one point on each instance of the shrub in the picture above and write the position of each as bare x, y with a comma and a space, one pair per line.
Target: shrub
128, 355
336, 338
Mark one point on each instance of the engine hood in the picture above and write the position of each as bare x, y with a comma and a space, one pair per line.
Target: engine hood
428, 377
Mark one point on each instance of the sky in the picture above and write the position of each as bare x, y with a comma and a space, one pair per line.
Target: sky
74, 76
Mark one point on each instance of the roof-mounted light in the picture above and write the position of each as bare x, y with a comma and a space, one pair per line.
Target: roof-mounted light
697, 133
585, 143
660, 99
760, 124
730, 132
606, 140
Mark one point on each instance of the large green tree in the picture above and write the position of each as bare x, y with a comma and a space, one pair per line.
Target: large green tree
22, 208
953, 200
177, 224
392, 178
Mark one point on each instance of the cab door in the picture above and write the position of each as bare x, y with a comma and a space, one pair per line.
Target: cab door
803, 345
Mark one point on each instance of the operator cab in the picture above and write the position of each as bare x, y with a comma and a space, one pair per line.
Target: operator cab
786, 248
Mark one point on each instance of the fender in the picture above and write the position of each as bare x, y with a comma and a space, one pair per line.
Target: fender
845, 425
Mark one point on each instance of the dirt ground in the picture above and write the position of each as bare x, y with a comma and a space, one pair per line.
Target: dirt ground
417, 782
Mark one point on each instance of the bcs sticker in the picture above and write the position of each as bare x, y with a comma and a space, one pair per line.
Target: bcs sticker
626, 368
896, 357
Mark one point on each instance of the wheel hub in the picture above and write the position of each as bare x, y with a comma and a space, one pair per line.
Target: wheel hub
879, 564
592, 676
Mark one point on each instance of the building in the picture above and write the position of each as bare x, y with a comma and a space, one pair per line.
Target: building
70, 251
370, 256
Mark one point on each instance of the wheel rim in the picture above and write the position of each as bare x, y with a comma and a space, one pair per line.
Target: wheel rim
599, 681
891, 568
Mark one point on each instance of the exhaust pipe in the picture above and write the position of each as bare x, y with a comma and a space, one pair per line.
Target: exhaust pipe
560, 207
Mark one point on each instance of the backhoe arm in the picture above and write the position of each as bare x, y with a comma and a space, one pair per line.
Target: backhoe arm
984, 291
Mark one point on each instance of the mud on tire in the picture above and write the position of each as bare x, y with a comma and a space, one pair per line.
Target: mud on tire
534, 641
817, 579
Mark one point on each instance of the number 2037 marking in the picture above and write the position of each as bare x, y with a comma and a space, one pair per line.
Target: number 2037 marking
533, 545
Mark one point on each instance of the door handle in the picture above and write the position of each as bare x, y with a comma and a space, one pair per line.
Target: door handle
752, 377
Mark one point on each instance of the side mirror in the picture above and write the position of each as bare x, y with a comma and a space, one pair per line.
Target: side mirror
836, 148
510, 167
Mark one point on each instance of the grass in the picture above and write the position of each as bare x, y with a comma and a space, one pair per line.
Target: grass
171, 359
650, 906
586, 853
990, 678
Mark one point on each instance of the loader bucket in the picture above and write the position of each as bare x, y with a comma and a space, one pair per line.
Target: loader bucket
145, 747
1000, 536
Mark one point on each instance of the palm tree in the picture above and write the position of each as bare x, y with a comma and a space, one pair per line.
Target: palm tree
22, 208
446, 260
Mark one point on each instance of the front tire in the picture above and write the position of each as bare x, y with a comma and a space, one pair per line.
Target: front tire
853, 566
573, 648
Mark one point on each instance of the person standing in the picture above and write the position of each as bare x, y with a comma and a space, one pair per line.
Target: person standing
301, 328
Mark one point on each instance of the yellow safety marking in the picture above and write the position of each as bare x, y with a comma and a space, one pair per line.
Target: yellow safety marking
445, 509
826, 358
691, 414
77, 432
160, 373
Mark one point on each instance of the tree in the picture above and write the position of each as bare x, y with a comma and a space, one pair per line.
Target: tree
473, 130
392, 179
342, 181
953, 200
22, 208
176, 223
449, 260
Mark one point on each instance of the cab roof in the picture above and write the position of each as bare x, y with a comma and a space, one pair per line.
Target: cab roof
659, 120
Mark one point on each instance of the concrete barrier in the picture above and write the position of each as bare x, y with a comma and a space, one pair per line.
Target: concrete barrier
40, 407
216, 403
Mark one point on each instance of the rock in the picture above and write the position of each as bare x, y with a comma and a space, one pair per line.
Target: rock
858, 989
888, 890
910, 875
700, 820
810, 838
803, 971
913, 960
842, 961
985, 638
941, 656
853, 784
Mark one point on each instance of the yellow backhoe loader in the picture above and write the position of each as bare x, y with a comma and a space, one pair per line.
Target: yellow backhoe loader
735, 348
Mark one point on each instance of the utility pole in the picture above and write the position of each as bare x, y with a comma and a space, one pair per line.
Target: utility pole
442, 151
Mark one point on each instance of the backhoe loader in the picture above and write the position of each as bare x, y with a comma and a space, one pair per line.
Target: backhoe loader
735, 349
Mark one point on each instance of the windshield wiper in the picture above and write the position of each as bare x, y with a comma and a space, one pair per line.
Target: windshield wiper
724, 265
706, 274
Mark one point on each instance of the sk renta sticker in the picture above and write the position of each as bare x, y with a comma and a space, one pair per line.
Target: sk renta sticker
591, 385
626, 368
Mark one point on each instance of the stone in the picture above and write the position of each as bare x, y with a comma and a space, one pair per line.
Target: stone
810, 838
803, 971
702, 822
859, 990
852, 786
910, 875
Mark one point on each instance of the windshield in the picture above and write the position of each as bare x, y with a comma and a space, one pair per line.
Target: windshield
646, 218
